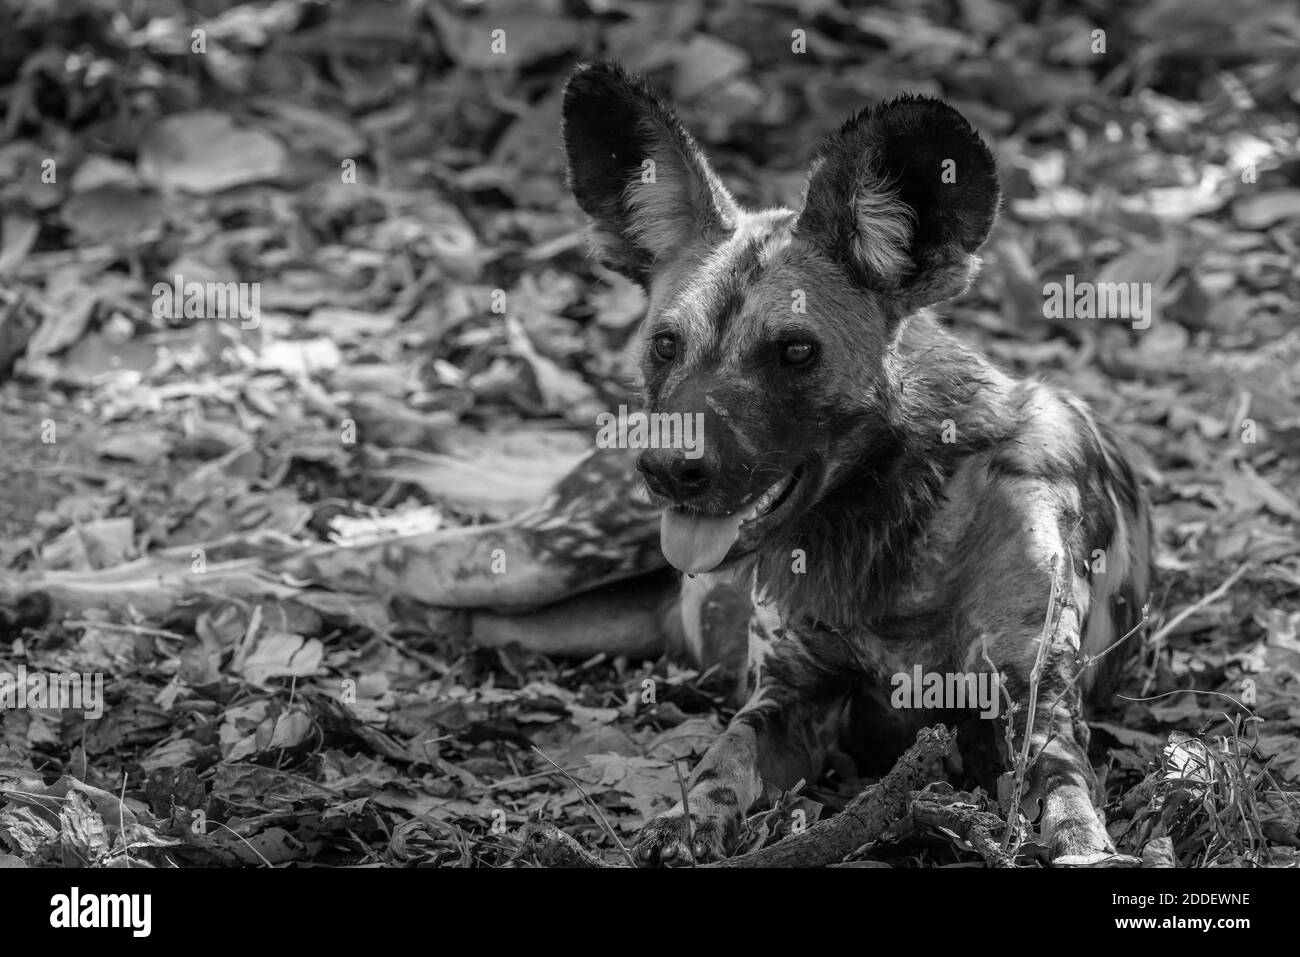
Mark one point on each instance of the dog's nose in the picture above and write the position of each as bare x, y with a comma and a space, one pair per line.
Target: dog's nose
670, 473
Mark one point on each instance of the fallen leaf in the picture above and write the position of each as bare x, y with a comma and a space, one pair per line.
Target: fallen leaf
1262, 210
650, 785
281, 655
205, 152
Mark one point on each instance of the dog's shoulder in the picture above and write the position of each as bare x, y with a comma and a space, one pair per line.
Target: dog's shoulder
1050, 495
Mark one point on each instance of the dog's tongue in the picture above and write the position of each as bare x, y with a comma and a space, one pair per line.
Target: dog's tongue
697, 543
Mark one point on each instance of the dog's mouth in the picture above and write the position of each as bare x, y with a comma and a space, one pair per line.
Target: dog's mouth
697, 542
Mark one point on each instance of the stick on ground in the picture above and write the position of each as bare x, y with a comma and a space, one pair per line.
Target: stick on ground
863, 820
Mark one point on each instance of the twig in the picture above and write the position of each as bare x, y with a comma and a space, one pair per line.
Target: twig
1035, 676
1166, 629
244, 839
506, 782
116, 626
686, 811
545, 844
1166, 694
864, 819
121, 820
1008, 736
966, 821
1087, 662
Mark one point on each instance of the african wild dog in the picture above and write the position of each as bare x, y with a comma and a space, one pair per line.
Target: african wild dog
929, 493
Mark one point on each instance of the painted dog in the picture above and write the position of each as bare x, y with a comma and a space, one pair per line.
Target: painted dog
898, 504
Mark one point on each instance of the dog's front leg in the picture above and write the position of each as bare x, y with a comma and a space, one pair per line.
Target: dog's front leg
777, 739
1061, 776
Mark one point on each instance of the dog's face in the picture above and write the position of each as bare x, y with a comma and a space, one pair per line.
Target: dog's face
775, 328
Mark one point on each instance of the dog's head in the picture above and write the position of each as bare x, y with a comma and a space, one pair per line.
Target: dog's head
776, 328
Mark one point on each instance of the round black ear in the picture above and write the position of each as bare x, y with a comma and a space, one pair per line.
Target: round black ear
635, 171
904, 195
602, 117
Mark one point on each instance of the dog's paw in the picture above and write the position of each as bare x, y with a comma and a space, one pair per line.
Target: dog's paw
1074, 834
1080, 841
670, 840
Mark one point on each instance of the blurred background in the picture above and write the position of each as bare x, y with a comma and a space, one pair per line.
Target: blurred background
432, 345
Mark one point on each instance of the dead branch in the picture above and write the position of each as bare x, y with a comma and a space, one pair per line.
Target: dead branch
548, 846
864, 819
967, 822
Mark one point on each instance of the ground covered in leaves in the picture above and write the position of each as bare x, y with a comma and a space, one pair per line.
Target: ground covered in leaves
393, 181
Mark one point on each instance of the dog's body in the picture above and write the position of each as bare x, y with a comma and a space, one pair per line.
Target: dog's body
898, 504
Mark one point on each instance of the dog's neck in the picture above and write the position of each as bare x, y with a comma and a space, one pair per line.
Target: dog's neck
945, 403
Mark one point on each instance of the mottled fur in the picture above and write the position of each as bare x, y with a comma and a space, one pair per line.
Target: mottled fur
934, 496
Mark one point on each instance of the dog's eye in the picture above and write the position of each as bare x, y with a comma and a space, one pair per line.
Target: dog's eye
798, 353
665, 346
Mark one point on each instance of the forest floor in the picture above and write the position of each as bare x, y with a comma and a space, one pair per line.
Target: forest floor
386, 177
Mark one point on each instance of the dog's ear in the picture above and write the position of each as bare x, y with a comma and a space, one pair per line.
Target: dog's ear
637, 173
904, 195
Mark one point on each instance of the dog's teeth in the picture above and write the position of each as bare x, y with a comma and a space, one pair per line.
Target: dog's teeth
765, 500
